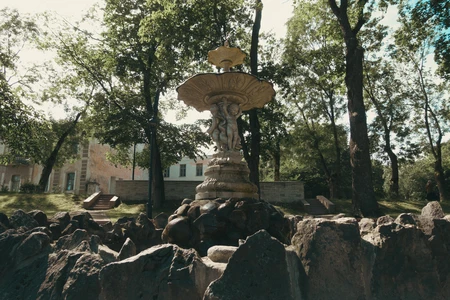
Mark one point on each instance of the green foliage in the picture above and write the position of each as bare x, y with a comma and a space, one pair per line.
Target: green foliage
29, 188
415, 175
434, 17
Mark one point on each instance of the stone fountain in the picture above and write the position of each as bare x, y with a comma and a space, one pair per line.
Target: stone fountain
226, 95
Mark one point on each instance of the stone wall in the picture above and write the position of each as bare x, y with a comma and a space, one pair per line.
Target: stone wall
137, 190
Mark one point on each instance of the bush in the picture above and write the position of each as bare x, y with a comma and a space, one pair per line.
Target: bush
29, 188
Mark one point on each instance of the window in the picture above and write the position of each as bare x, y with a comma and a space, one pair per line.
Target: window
70, 181
166, 172
15, 183
199, 170
183, 170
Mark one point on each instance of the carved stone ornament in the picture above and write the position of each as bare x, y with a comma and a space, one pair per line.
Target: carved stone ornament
202, 90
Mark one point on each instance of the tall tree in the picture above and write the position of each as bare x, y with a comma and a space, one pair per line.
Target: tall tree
251, 145
388, 97
363, 197
315, 75
429, 96
17, 120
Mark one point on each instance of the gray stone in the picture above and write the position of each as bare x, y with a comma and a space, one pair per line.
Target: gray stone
4, 220
186, 201
432, 210
70, 228
82, 217
161, 272
71, 241
33, 245
257, 270
384, 220
55, 228
128, 250
178, 231
332, 257
108, 255
182, 210
406, 219
21, 219
63, 218
82, 281
39, 216
366, 225
402, 264
71, 275
160, 220
221, 254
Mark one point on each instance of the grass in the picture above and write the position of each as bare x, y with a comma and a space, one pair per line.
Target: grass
133, 210
48, 203
389, 207
52, 203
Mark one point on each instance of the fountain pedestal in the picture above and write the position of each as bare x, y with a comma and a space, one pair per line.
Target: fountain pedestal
227, 176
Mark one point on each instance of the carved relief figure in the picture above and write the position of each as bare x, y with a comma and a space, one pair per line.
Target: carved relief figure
214, 131
231, 112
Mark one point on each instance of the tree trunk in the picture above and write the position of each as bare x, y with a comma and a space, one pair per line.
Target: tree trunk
440, 178
335, 190
253, 161
393, 185
51, 160
276, 162
363, 197
158, 180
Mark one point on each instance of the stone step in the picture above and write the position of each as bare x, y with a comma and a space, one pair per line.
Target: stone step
316, 207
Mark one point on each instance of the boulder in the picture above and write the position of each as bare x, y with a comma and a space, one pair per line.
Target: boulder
82, 281
406, 219
366, 225
39, 216
72, 241
332, 257
4, 220
160, 220
161, 272
384, 220
433, 210
33, 245
178, 231
257, 270
70, 228
401, 263
82, 217
71, 275
55, 228
62, 218
128, 250
221, 254
21, 219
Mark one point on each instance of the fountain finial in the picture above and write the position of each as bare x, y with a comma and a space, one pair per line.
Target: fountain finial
226, 57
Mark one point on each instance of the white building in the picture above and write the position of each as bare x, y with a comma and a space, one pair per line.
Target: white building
187, 170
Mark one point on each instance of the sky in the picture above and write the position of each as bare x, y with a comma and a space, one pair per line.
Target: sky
275, 15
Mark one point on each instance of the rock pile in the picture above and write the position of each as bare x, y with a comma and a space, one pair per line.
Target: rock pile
201, 224
68, 257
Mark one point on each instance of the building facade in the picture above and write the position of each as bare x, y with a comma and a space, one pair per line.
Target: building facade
91, 173
187, 169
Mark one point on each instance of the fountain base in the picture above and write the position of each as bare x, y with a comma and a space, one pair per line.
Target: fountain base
226, 176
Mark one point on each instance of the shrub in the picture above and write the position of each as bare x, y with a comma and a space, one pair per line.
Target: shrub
29, 188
